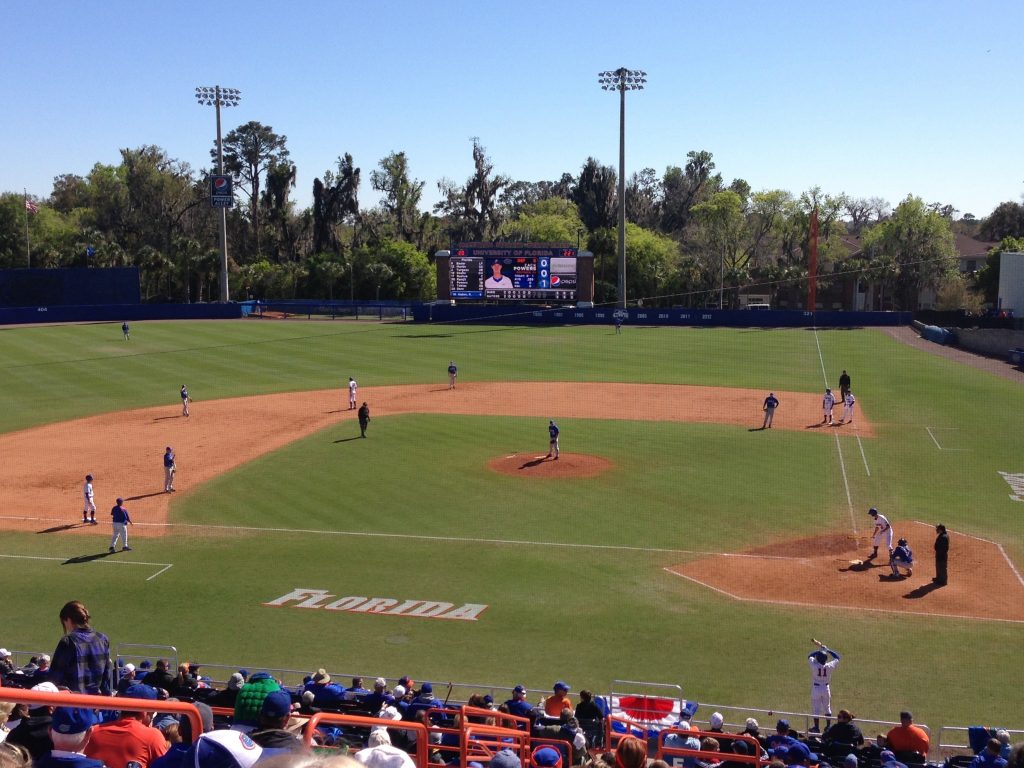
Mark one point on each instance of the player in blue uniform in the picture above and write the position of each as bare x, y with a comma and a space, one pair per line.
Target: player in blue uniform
126, 331
453, 373
770, 404
119, 517
185, 400
902, 557
552, 440
169, 469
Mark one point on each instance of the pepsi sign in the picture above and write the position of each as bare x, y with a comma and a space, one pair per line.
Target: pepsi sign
221, 192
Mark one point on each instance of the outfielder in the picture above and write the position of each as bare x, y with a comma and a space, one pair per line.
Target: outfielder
848, 402
821, 677
121, 520
185, 400
882, 532
169, 470
827, 403
902, 557
352, 387
89, 508
552, 440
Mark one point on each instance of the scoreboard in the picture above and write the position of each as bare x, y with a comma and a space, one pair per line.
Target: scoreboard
513, 272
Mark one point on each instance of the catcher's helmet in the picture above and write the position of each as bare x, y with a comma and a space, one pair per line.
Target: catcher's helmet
872, 511
902, 542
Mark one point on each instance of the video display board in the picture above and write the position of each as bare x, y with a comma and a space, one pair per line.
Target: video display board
513, 272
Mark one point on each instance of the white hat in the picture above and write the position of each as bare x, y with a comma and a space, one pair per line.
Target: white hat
129, 667
224, 749
46, 687
384, 756
45, 658
398, 691
4, 653
380, 682
717, 720
752, 723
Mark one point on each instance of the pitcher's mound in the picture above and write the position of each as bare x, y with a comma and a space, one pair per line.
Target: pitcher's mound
538, 465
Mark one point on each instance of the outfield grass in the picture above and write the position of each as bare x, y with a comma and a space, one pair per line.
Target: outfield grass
587, 613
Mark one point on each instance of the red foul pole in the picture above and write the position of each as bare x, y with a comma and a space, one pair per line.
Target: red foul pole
812, 267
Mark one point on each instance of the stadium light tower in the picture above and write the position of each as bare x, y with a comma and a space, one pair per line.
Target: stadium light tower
220, 97
622, 80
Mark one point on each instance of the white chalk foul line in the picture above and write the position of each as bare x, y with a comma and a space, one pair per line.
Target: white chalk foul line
864, 457
996, 544
165, 566
839, 448
941, 448
796, 604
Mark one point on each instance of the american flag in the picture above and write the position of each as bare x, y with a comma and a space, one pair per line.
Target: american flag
31, 207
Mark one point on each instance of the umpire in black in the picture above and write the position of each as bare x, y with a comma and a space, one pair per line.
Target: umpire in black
941, 556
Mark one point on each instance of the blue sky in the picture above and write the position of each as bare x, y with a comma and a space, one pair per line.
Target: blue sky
871, 98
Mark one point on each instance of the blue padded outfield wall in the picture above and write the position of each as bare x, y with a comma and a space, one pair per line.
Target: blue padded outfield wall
118, 313
67, 287
737, 318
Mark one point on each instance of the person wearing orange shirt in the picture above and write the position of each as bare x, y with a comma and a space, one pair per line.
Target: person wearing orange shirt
554, 704
130, 739
907, 737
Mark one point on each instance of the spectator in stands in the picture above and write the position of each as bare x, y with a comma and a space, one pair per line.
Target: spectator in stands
888, 760
273, 734
82, 658
588, 709
250, 701
381, 754
42, 672
1016, 758
780, 736
69, 732
518, 705
175, 755
752, 728
989, 757
425, 700
506, 758
223, 749
546, 757
738, 748
374, 700
715, 723
631, 753
559, 700
229, 695
709, 744
14, 756
325, 694
184, 684
851, 761
1004, 740
843, 732
6, 663
130, 739
681, 741
127, 678
355, 691
907, 737
33, 730
159, 677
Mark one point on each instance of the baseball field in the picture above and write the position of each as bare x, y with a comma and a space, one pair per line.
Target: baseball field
672, 542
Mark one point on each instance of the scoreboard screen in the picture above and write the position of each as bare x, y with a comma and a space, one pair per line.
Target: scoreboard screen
513, 273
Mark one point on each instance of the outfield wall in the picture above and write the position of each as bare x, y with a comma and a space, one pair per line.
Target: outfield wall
118, 312
737, 318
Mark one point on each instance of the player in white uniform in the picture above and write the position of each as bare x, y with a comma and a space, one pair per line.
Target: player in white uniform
89, 507
848, 402
882, 532
352, 387
821, 677
827, 403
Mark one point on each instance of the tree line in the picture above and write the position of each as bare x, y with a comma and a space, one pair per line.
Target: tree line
692, 239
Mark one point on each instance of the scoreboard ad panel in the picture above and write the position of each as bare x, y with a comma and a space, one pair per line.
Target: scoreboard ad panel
513, 272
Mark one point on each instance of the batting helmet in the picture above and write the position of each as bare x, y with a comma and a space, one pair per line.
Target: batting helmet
820, 656
872, 511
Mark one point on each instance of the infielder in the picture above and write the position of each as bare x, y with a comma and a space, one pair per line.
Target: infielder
121, 521
902, 557
821, 677
770, 404
827, 403
89, 508
169, 469
453, 373
552, 440
848, 402
185, 400
352, 387
882, 532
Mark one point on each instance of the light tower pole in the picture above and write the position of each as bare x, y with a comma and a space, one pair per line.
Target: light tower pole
622, 80
220, 97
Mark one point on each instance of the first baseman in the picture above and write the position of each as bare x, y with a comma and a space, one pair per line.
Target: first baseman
821, 677
827, 403
770, 404
185, 400
352, 387
89, 507
848, 402
169, 469
120, 519
552, 440
882, 532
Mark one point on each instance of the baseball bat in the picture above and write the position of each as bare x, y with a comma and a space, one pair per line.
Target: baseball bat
448, 694
818, 643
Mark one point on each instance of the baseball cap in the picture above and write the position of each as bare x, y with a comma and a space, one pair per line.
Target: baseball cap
519, 689
782, 725
872, 511
752, 723
146, 664
887, 756
128, 668
384, 756
850, 761
426, 688
236, 681
4, 653
716, 720
560, 685
223, 749
406, 682
73, 719
506, 758
547, 757
119, 500
46, 687
140, 691
380, 682
276, 704
398, 691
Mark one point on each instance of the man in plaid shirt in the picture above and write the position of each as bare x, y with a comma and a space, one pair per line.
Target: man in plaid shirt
81, 661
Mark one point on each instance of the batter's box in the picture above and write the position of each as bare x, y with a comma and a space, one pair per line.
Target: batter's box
946, 438
1016, 483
